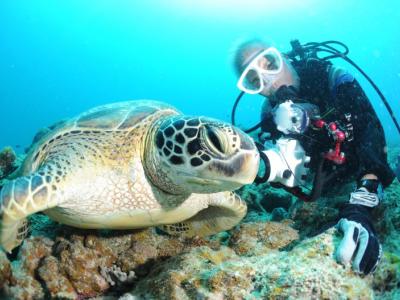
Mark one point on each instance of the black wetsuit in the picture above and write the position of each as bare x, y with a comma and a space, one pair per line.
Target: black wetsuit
335, 91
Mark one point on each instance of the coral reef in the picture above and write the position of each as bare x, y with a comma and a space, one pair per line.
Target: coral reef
23, 283
387, 277
5, 270
7, 162
264, 198
270, 255
248, 264
306, 272
252, 239
115, 275
82, 264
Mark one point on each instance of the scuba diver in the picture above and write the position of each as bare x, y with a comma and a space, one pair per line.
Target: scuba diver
319, 119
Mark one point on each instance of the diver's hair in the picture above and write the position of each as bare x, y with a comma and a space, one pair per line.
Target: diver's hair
244, 50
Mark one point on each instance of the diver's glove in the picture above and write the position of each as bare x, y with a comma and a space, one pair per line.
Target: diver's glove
360, 243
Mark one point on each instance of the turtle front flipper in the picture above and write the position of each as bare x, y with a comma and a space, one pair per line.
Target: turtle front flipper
20, 198
224, 211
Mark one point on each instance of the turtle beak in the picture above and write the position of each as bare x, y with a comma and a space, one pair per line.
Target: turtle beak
240, 170
249, 168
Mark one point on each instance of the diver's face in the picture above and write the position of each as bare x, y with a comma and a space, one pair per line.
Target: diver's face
262, 71
263, 63
267, 72
288, 76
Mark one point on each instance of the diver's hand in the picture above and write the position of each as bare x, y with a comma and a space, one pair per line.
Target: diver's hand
359, 244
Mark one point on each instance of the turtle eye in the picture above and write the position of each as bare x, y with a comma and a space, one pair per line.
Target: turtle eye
213, 141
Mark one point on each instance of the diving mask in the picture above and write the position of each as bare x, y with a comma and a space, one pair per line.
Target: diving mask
261, 71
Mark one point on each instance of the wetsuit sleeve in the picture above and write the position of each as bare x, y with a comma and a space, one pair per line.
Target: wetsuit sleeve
369, 137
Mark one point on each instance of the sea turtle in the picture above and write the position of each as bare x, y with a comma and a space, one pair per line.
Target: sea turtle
129, 165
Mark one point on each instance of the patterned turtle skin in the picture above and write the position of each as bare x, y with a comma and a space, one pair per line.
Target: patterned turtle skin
129, 165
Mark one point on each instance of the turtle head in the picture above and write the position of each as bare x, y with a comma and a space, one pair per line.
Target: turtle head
202, 155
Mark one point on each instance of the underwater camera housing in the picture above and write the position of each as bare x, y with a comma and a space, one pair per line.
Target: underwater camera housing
294, 118
285, 163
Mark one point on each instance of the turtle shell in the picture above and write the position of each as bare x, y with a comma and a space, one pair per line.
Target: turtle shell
119, 116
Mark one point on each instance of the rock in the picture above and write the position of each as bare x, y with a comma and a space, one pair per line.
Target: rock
193, 275
309, 217
264, 198
307, 272
258, 238
252, 264
279, 214
5, 270
115, 275
24, 284
86, 263
82, 266
57, 283
387, 276
7, 162
387, 216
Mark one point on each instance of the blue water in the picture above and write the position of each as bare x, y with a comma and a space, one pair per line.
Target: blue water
59, 58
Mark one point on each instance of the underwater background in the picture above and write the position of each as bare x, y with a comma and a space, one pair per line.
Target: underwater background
59, 58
